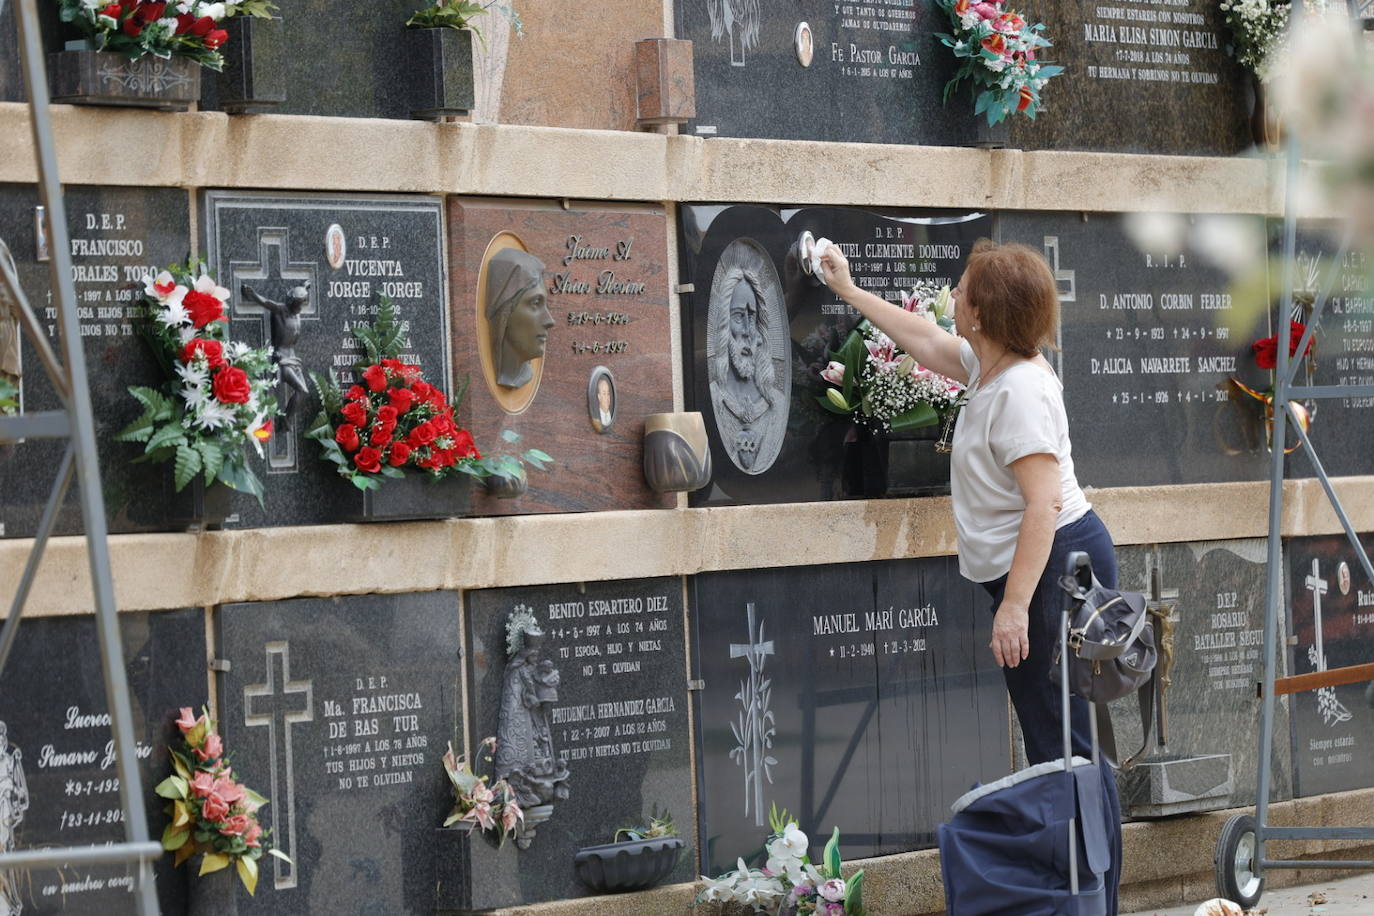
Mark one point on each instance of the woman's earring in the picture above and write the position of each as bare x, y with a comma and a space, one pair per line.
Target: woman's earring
974, 329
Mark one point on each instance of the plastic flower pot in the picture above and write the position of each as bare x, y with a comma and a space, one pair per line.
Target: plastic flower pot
201, 508
82, 76
992, 136
215, 894
895, 463
633, 865
441, 72
503, 487
254, 75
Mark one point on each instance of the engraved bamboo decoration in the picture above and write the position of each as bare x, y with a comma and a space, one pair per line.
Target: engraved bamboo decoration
754, 730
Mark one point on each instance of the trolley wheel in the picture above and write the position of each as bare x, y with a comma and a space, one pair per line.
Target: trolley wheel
1238, 878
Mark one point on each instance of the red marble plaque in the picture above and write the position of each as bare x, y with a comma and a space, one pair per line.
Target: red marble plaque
605, 285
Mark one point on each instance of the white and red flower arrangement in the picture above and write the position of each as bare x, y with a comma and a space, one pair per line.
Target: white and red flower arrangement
788, 884
882, 386
219, 395
477, 804
182, 28
998, 50
212, 813
392, 419
1266, 352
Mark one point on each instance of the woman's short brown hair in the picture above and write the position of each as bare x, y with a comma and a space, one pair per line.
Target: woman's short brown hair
1014, 291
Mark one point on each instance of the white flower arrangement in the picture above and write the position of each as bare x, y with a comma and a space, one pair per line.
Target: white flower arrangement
1259, 29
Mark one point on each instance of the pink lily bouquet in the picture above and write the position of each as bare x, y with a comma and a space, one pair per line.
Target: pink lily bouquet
218, 395
476, 804
882, 386
788, 884
211, 812
997, 48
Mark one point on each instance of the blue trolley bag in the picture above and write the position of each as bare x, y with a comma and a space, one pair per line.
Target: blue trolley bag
1037, 842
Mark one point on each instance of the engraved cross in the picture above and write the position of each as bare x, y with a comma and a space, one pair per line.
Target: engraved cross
277, 704
1318, 587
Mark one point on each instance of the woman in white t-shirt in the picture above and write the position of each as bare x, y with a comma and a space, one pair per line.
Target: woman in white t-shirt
1018, 509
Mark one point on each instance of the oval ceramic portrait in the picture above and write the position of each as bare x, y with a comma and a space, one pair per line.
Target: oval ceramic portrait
806, 44
335, 246
601, 399
1343, 577
512, 321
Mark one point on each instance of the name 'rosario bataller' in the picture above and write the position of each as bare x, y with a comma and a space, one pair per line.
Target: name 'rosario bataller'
892, 618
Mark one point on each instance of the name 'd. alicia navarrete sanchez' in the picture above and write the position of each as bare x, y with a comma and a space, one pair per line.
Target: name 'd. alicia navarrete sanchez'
873, 621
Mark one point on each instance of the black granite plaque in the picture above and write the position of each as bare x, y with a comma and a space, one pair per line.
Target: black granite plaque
1216, 591
1332, 606
875, 71
1342, 430
117, 236
352, 250
861, 696
58, 782
339, 710
1140, 77
344, 66
772, 442
1146, 354
620, 722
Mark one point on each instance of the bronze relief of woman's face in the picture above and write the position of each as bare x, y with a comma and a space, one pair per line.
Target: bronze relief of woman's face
527, 332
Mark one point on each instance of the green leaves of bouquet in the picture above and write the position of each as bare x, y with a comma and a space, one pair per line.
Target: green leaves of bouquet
458, 14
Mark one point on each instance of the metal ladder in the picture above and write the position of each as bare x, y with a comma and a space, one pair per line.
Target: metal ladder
1240, 858
73, 422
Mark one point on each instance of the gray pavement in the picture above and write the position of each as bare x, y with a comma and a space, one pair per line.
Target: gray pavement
1347, 897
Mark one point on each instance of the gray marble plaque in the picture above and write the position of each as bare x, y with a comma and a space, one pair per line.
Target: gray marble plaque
339, 710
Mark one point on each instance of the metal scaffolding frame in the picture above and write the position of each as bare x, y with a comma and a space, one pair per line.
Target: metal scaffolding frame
1240, 858
75, 423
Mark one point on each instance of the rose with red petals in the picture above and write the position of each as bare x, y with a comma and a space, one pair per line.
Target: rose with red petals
368, 460
375, 378
231, 386
347, 436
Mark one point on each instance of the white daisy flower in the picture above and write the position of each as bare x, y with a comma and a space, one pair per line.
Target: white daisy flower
215, 415
193, 373
196, 397
236, 351
173, 314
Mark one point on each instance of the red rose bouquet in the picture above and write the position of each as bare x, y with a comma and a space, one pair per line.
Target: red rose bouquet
212, 813
996, 48
136, 28
219, 395
392, 419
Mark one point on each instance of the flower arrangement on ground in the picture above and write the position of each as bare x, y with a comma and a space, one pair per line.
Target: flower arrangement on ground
883, 387
392, 419
181, 28
788, 884
1258, 28
219, 394
476, 804
458, 14
998, 52
659, 826
212, 813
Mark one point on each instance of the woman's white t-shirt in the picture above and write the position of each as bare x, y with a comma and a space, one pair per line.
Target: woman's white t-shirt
1018, 413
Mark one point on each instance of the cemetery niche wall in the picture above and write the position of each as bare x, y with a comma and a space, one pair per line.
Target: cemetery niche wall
342, 709
818, 70
1140, 77
303, 271
1146, 354
118, 235
1212, 593
587, 687
58, 781
757, 382
861, 696
1331, 613
560, 321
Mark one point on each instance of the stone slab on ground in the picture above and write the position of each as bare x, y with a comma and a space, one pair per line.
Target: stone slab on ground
1346, 897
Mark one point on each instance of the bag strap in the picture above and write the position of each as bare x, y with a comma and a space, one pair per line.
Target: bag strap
1102, 652
1106, 735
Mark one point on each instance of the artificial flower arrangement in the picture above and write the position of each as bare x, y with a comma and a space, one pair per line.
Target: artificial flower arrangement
476, 804
393, 420
788, 884
1266, 352
458, 14
182, 28
998, 51
883, 387
211, 812
1258, 28
219, 395
9, 397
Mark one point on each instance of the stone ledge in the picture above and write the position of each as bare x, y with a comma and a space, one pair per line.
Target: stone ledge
1167, 863
159, 571
215, 150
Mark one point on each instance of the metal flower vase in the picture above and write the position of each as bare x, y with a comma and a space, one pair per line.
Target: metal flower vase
254, 75
81, 75
632, 865
442, 79
215, 894
677, 452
